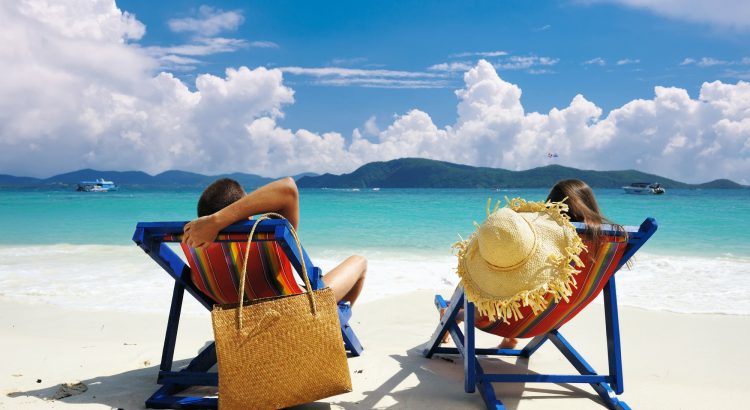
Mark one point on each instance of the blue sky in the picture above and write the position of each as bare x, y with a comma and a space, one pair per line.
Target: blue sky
415, 35
283, 87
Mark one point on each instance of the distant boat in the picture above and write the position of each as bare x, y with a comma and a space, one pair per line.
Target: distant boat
100, 185
644, 188
376, 189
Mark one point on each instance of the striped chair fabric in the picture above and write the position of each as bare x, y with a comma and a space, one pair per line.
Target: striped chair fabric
215, 270
590, 282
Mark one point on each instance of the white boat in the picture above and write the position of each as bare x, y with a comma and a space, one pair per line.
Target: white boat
644, 188
376, 189
100, 185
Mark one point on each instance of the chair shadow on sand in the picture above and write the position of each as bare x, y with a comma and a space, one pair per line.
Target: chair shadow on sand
127, 390
439, 384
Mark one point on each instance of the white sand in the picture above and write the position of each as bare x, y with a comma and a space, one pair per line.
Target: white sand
671, 361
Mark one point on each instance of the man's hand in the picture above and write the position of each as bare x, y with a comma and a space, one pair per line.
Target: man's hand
279, 196
199, 233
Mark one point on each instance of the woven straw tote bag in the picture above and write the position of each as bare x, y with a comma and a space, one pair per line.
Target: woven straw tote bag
281, 351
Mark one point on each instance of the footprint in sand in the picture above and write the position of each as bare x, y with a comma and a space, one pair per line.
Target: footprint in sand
69, 389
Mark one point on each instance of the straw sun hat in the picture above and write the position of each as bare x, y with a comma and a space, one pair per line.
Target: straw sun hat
522, 253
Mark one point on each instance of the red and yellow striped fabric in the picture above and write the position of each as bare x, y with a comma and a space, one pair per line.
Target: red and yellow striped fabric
215, 270
590, 281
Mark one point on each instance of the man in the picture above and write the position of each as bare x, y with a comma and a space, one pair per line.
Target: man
224, 202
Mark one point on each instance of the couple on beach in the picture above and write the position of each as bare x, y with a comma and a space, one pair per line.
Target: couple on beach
225, 202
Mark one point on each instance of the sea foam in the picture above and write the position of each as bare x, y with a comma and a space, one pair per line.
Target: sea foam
123, 278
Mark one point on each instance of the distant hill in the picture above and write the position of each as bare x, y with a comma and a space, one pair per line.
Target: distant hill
126, 177
191, 179
10, 180
399, 173
426, 173
721, 184
136, 179
304, 174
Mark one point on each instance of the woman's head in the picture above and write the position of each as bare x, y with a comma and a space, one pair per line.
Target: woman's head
582, 206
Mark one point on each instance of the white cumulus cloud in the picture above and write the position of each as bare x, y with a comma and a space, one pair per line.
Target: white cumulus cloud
75, 97
691, 139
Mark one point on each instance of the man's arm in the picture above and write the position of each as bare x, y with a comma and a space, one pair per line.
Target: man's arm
279, 196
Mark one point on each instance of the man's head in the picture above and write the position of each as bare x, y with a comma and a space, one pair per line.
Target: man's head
220, 194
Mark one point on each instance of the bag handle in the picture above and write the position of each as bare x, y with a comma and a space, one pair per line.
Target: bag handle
313, 306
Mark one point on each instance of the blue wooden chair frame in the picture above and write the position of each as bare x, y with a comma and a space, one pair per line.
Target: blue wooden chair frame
150, 236
608, 386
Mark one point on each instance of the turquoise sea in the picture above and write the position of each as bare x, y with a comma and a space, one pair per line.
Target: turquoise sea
700, 253
691, 222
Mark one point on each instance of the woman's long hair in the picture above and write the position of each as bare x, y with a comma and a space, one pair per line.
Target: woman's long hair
582, 207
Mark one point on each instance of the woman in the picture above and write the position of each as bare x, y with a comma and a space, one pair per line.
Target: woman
582, 207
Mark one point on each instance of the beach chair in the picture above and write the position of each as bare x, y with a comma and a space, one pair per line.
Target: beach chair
210, 276
614, 251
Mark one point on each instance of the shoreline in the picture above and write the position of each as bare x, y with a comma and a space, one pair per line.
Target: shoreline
117, 354
417, 251
690, 284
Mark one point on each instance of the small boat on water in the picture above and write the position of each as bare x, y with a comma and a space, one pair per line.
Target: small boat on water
644, 188
99, 185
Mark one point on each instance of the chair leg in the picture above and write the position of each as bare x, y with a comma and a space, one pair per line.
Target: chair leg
488, 395
205, 360
533, 345
604, 390
465, 346
164, 397
447, 323
474, 377
606, 386
173, 323
470, 358
488, 392
612, 322
351, 342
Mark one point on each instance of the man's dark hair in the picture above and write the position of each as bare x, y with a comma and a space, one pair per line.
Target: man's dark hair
220, 194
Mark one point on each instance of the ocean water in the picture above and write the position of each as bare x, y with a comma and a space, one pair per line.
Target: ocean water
69, 248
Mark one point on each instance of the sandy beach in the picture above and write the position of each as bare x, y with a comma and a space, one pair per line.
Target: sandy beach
671, 360
413, 136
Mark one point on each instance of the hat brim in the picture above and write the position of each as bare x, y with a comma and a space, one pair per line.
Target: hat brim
499, 293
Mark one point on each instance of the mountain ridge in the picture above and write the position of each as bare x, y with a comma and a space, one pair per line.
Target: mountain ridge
398, 173
171, 178
426, 173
